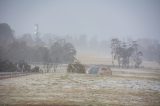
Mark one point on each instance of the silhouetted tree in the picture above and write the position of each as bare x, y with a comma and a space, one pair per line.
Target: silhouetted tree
6, 34
17, 51
69, 53
62, 52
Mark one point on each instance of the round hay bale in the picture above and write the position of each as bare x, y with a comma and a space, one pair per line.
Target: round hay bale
105, 71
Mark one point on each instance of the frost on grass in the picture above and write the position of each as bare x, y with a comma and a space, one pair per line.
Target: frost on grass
81, 89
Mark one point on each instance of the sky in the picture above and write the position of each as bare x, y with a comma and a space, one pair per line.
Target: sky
103, 18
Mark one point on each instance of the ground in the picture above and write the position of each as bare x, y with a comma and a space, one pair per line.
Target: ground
131, 87
125, 87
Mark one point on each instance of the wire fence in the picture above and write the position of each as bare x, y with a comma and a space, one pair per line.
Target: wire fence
5, 75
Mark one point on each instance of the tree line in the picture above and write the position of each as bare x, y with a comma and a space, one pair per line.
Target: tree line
132, 53
16, 52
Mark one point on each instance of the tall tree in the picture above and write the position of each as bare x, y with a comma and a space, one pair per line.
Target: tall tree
6, 34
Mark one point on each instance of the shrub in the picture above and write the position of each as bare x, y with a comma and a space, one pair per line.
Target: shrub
7, 66
76, 67
36, 69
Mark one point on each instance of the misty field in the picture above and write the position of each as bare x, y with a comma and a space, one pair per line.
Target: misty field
125, 87
79, 52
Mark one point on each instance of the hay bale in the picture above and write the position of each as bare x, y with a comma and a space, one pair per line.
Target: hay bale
93, 70
105, 71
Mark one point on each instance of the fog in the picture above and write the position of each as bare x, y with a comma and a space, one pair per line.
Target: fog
89, 25
80, 52
102, 18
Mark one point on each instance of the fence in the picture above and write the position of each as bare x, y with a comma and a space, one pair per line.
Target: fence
4, 75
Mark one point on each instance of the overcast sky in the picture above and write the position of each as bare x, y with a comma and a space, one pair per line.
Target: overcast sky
123, 18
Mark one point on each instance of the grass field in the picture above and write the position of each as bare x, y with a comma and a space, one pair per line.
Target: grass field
129, 87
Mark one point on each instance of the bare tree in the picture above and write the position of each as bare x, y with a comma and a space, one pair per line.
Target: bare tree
115, 44
122, 52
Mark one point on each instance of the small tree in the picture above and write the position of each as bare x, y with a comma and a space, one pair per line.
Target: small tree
69, 53
7, 66
76, 67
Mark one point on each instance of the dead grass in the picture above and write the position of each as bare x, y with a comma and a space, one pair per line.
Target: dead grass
129, 87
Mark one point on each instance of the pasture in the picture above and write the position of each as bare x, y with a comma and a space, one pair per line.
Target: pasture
131, 87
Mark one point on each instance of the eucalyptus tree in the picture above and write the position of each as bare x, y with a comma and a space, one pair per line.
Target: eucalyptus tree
122, 52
